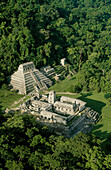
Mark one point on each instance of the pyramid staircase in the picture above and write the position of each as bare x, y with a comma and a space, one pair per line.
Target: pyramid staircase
28, 79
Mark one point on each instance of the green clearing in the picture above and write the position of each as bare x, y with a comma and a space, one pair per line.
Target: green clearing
97, 102
94, 100
7, 98
26, 98
64, 85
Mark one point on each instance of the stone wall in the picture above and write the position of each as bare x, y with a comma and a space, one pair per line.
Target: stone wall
53, 117
78, 103
64, 108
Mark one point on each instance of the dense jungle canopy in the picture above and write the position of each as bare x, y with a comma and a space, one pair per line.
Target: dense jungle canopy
44, 31
25, 144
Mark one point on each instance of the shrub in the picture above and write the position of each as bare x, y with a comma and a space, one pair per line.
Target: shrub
5, 87
108, 97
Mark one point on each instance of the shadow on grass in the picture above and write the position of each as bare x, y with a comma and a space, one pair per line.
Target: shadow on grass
97, 132
86, 94
104, 136
94, 104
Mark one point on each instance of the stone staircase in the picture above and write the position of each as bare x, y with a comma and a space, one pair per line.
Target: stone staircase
41, 77
93, 115
29, 82
48, 71
27, 79
38, 83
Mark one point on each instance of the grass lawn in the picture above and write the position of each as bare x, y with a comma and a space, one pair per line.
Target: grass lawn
97, 102
7, 98
103, 127
94, 100
63, 85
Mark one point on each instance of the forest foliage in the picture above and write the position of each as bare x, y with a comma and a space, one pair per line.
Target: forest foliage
46, 31
24, 143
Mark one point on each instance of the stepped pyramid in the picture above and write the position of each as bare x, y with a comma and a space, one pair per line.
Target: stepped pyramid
48, 71
27, 79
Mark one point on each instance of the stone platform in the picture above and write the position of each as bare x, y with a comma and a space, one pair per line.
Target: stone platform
27, 79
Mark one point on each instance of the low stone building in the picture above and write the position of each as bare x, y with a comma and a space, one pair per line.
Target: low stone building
53, 117
64, 108
66, 117
39, 105
79, 103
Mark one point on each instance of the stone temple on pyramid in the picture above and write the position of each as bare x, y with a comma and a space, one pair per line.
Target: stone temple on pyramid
28, 79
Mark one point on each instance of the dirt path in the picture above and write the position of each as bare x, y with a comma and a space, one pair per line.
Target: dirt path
47, 92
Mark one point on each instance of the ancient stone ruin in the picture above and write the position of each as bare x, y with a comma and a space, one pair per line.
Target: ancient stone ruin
52, 97
63, 61
48, 71
78, 103
27, 79
67, 116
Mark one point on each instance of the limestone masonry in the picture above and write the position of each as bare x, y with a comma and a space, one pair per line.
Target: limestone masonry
67, 116
48, 71
27, 79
